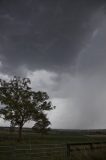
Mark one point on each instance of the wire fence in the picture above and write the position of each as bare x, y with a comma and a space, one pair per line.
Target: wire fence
88, 149
33, 152
48, 151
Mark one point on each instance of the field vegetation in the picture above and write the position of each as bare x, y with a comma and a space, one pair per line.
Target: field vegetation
52, 146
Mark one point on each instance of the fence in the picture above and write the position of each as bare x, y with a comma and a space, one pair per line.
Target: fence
46, 151
33, 152
75, 147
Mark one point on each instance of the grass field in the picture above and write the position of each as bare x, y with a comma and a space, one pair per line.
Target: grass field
47, 147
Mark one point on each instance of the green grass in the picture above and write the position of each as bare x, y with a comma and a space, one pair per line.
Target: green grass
89, 155
50, 147
34, 138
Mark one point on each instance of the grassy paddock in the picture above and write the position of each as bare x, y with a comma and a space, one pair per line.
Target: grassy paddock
89, 155
7, 137
49, 147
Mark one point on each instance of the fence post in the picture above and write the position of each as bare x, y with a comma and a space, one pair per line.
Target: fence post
30, 148
91, 146
68, 151
13, 150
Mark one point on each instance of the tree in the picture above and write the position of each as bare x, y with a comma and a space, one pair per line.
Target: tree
21, 103
42, 124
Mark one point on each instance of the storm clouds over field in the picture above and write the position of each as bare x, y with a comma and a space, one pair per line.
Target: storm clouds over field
61, 46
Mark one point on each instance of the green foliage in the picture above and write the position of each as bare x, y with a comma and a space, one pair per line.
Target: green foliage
22, 104
42, 124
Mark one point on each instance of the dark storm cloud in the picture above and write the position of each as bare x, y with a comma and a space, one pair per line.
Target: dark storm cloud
44, 34
59, 35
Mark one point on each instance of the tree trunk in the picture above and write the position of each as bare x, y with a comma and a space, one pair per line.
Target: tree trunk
20, 133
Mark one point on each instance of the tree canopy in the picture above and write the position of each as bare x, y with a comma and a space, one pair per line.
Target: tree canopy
21, 104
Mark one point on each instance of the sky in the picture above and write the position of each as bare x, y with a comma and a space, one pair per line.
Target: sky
61, 46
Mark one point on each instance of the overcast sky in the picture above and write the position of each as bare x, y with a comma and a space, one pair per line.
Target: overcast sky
61, 46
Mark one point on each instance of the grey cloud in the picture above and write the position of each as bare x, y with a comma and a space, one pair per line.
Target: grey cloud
39, 36
80, 99
80, 102
44, 34
92, 60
